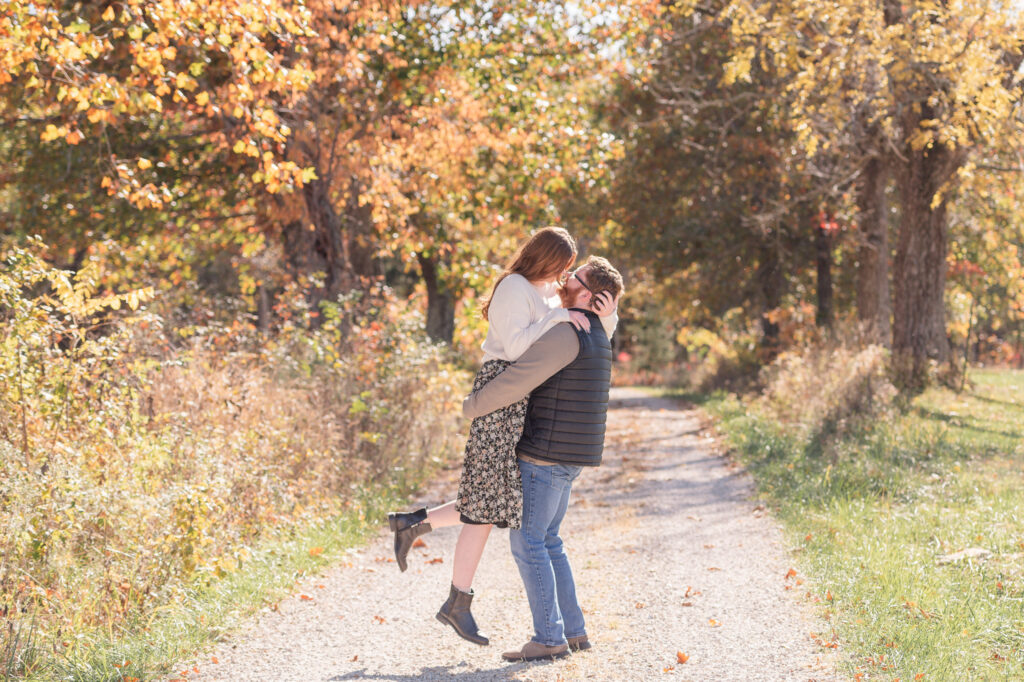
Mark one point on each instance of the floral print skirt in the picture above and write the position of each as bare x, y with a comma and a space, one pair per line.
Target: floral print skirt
490, 489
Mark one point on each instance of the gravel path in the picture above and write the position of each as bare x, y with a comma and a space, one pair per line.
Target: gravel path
670, 555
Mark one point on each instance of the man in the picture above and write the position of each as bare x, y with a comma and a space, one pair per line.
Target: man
567, 374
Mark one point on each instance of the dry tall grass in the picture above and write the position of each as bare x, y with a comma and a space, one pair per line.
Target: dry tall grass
133, 465
816, 391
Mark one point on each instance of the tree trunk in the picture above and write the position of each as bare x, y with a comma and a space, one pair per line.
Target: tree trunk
873, 302
263, 308
1020, 344
359, 235
314, 244
919, 319
823, 258
440, 302
772, 284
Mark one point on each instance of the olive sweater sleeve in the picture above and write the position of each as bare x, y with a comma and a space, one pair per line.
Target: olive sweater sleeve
549, 354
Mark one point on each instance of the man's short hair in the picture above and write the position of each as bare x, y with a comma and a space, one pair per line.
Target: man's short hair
602, 276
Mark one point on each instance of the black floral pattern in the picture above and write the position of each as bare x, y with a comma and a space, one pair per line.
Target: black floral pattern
490, 489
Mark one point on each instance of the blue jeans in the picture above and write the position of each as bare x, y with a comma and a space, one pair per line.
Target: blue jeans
540, 555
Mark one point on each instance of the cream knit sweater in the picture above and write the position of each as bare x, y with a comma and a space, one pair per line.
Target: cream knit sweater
520, 313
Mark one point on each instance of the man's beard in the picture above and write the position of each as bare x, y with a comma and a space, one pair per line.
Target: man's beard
567, 299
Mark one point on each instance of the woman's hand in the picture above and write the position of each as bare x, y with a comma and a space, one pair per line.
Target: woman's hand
579, 320
605, 305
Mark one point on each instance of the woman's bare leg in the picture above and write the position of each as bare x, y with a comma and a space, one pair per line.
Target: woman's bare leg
468, 550
443, 516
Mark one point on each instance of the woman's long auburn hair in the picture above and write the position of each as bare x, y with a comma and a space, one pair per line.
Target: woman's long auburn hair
547, 253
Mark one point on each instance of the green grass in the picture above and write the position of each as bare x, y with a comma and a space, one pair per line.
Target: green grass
158, 646
870, 513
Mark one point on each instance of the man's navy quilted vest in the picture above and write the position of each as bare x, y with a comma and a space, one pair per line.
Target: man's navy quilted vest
565, 420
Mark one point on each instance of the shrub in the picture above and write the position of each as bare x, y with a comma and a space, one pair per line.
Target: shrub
818, 390
137, 459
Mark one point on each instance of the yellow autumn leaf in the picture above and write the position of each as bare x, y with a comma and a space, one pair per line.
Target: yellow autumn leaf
52, 132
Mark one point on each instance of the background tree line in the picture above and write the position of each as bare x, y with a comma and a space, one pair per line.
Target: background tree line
747, 156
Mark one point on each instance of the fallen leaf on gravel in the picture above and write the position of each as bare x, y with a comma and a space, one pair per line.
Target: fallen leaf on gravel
919, 676
709, 546
714, 568
714, 623
380, 619
320, 587
419, 543
316, 551
828, 595
669, 668
687, 603
640, 605
807, 538
681, 657
354, 658
436, 560
693, 517
305, 597
690, 592
214, 660
791, 573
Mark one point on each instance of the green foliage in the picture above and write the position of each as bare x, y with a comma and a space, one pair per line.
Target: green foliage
877, 507
711, 198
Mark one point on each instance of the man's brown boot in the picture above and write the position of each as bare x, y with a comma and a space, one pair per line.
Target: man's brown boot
455, 612
580, 643
535, 651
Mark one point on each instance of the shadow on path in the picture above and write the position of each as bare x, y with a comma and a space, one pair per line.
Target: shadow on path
441, 672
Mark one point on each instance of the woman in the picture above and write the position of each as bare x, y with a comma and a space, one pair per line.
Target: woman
523, 304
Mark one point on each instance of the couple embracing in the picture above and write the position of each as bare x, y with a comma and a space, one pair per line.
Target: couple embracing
538, 406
